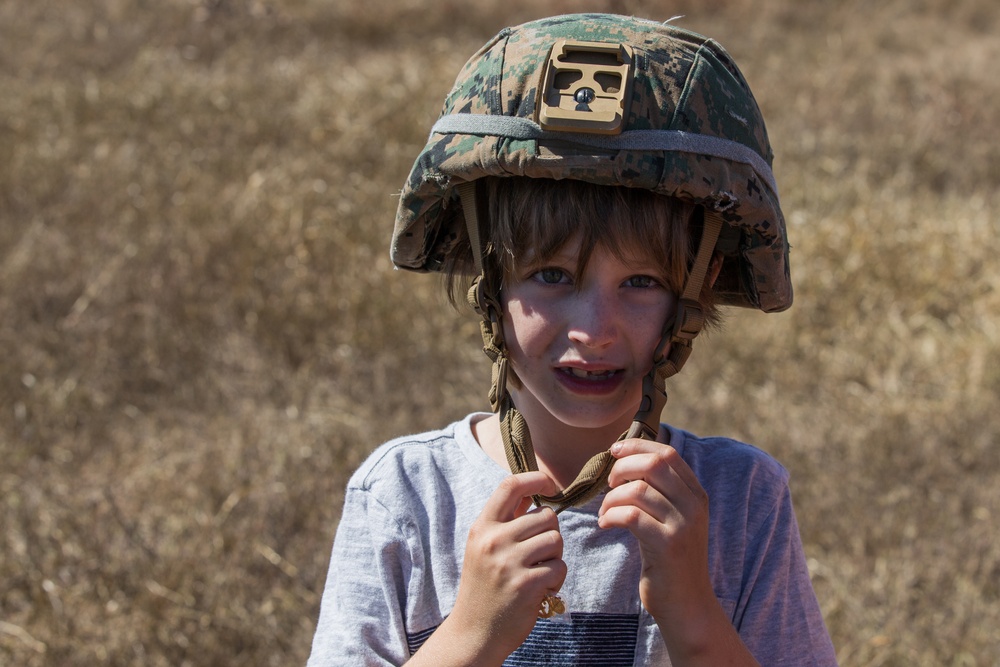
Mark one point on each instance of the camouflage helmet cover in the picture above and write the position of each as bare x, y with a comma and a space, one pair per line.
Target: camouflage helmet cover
690, 128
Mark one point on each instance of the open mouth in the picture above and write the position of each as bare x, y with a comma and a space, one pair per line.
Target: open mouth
590, 375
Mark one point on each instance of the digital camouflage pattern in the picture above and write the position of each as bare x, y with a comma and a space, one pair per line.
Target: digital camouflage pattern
681, 81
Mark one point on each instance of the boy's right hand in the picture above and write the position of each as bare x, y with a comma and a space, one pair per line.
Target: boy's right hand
513, 558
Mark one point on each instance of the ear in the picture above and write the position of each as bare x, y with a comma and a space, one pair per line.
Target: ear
714, 268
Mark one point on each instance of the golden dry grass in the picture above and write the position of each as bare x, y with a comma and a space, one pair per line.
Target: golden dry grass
202, 335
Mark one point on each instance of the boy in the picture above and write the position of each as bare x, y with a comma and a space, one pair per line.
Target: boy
607, 181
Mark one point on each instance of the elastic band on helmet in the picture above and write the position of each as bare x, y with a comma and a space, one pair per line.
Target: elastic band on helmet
513, 127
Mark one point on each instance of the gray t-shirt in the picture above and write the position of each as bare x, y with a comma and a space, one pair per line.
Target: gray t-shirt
399, 548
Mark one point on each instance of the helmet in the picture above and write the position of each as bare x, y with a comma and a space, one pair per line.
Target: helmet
687, 126
609, 100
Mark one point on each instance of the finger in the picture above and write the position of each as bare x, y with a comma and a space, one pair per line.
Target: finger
629, 517
633, 446
540, 548
641, 477
640, 494
508, 501
534, 522
549, 575
665, 454
523, 507
654, 469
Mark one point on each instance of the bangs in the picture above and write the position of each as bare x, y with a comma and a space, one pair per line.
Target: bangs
530, 220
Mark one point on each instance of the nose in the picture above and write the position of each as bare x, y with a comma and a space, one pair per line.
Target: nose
594, 320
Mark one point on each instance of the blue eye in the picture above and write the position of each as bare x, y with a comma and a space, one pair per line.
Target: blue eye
641, 282
551, 276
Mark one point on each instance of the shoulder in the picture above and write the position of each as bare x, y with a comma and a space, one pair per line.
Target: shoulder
733, 473
727, 458
404, 452
750, 507
424, 467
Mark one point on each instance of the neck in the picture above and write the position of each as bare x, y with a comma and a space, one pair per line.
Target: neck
561, 450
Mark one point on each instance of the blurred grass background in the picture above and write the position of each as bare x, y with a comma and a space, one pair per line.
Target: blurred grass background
201, 334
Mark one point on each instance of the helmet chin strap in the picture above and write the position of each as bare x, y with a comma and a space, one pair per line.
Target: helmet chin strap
672, 351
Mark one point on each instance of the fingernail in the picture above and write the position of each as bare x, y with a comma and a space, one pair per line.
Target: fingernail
616, 448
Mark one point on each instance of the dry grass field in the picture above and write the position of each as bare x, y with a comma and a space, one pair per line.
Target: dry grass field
201, 334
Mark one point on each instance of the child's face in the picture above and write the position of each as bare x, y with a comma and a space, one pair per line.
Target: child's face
581, 344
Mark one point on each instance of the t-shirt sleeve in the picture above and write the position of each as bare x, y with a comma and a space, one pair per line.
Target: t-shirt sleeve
779, 618
361, 621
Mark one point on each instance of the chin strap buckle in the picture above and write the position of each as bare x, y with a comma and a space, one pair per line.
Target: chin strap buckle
688, 321
487, 305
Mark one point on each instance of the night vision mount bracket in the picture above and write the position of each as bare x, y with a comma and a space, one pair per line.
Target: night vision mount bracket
585, 87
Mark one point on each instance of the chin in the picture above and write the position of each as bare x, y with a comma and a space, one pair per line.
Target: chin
579, 413
596, 420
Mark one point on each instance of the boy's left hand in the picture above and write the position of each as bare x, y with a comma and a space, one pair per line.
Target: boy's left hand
657, 497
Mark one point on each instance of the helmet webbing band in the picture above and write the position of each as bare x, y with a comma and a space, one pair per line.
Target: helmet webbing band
513, 127
679, 332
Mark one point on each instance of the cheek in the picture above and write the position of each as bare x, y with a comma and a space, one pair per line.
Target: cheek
525, 332
652, 333
523, 336
648, 326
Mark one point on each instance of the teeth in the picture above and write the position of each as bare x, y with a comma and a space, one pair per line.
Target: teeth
580, 373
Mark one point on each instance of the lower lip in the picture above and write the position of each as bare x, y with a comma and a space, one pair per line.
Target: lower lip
590, 386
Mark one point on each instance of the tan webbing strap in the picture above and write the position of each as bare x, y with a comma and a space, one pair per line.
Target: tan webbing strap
706, 247
467, 194
679, 332
689, 317
521, 458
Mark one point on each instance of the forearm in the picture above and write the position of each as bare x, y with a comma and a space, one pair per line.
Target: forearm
705, 638
513, 557
455, 646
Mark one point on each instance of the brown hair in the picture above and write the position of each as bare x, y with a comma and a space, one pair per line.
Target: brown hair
533, 218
